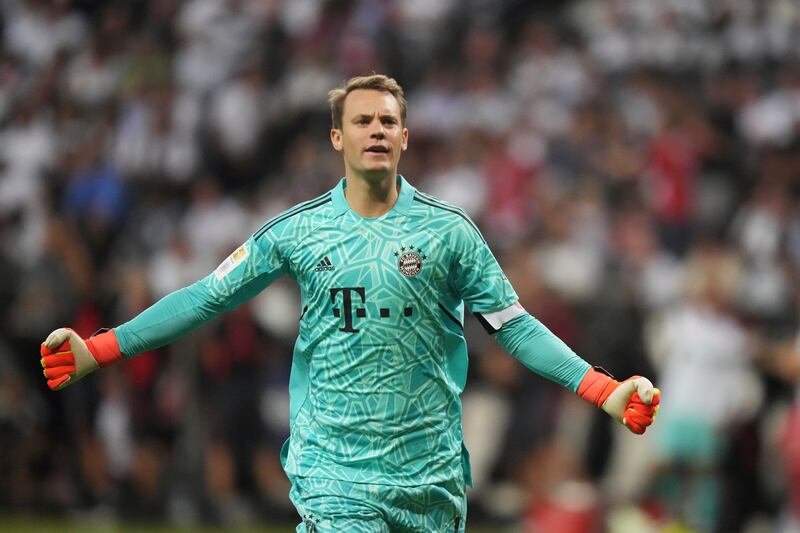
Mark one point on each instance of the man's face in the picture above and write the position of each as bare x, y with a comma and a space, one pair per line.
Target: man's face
372, 136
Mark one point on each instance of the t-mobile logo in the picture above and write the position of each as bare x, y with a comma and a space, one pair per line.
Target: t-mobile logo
352, 307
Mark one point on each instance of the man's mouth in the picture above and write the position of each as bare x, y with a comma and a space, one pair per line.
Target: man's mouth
378, 149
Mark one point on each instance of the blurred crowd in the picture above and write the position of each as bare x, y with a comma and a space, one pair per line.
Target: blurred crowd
634, 164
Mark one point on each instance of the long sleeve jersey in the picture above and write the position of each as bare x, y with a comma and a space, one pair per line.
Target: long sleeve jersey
381, 359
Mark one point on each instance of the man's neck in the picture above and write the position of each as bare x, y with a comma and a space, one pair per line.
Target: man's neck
371, 198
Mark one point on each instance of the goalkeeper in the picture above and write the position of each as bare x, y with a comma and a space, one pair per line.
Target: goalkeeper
385, 272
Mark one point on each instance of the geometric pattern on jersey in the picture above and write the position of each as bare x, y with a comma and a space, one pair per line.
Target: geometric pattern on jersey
334, 506
380, 360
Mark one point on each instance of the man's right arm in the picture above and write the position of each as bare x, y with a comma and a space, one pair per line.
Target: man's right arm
177, 314
245, 273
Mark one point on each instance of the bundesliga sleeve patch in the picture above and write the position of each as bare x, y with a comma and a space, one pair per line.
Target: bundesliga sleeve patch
231, 262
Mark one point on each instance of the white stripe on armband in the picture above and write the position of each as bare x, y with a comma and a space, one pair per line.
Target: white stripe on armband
492, 322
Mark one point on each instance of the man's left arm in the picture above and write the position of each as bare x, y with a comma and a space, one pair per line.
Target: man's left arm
480, 282
633, 402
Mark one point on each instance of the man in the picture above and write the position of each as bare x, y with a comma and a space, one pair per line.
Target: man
380, 361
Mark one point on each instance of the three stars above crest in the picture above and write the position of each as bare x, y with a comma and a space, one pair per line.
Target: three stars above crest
417, 250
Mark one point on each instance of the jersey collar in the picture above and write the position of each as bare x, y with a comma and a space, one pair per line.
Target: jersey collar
402, 205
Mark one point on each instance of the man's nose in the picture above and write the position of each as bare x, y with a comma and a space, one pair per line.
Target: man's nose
377, 129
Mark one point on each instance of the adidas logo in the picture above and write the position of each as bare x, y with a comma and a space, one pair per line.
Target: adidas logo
325, 265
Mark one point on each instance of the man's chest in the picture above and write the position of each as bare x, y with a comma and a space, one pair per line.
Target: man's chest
371, 271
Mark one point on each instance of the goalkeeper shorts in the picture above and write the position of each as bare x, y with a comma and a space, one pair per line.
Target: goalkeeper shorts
328, 506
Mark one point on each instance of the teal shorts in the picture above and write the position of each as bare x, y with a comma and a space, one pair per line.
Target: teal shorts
688, 440
328, 506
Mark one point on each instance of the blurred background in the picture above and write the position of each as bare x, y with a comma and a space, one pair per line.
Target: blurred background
634, 165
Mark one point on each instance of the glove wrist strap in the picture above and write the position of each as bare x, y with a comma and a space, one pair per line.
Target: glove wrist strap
104, 347
596, 386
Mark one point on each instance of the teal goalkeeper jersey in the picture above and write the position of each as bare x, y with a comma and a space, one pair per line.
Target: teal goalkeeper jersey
380, 360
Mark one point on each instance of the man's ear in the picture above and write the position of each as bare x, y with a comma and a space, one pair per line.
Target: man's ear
405, 139
336, 139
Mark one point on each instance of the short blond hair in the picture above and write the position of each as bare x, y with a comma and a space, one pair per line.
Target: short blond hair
374, 82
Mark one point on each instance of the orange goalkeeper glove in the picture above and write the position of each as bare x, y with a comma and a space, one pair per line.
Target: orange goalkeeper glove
66, 357
633, 402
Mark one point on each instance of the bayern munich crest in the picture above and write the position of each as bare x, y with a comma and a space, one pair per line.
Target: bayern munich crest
409, 260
